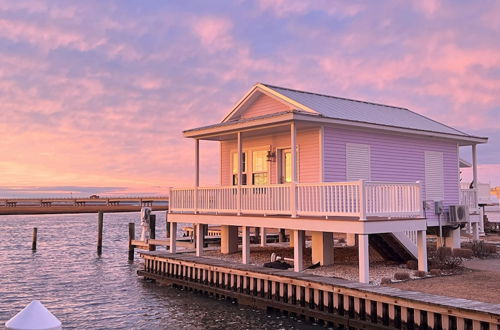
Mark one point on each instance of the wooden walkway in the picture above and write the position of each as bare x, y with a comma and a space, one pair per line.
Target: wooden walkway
332, 300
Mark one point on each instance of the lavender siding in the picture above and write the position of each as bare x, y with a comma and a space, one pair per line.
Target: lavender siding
393, 158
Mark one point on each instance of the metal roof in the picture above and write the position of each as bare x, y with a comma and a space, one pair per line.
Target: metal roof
353, 110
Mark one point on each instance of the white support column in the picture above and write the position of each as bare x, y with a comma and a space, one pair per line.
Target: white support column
474, 167
200, 239
453, 238
245, 249
298, 250
475, 230
173, 237
422, 250
362, 200
364, 259
229, 239
322, 248
263, 236
350, 239
240, 174
293, 189
481, 221
196, 173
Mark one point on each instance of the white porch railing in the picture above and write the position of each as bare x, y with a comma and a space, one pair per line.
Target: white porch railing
468, 197
360, 199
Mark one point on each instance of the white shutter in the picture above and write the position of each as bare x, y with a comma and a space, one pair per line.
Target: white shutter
434, 176
357, 161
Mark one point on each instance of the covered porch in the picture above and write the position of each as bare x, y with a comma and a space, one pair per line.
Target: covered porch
285, 201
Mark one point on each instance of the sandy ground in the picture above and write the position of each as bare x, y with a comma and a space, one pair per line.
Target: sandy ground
474, 285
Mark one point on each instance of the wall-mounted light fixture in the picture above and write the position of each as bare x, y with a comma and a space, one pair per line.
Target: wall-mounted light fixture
271, 156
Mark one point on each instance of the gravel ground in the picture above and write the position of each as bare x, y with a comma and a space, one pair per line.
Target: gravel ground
345, 258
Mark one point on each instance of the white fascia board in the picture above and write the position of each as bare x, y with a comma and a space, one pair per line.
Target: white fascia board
238, 126
304, 223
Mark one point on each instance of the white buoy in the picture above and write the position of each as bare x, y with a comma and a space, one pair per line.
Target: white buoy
34, 317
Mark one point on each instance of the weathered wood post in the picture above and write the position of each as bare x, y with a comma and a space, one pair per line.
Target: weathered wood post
100, 222
282, 236
33, 243
131, 237
167, 225
152, 234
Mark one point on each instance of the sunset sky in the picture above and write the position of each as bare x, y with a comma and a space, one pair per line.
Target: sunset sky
94, 94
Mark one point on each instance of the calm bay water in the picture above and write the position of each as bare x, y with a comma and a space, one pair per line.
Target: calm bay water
86, 291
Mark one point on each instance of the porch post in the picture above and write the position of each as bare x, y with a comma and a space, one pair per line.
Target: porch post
197, 173
263, 236
245, 248
364, 258
200, 237
422, 250
298, 250
293, 188
478, 227
240, 175
173, 237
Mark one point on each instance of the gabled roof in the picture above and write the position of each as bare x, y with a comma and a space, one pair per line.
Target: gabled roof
331, 109
354, 110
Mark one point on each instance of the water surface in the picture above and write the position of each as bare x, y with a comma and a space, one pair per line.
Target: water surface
86, 291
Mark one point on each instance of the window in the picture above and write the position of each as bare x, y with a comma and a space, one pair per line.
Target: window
259, 167
434, 176
357, 161
235, 168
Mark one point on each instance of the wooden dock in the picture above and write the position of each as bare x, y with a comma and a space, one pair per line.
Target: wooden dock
336, 302
80, 205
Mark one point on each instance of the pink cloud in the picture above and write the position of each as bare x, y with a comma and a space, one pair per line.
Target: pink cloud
214, 32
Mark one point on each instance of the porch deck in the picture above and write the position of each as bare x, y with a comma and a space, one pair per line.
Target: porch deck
356, 200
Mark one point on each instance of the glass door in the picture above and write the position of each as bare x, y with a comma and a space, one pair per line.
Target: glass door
285, 166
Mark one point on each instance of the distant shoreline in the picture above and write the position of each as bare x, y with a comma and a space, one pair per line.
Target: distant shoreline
74, 209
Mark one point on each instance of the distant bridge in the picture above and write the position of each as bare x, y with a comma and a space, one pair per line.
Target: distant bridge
80, 205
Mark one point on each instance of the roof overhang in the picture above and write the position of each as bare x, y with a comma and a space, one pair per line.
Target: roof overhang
215, 132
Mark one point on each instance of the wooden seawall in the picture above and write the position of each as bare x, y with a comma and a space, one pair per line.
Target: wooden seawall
341, 303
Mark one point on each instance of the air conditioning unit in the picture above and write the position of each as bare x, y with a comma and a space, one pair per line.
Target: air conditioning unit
459, 213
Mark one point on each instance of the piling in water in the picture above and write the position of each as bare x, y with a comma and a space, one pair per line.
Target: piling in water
33, 243
100, 222
152, 228
131, 237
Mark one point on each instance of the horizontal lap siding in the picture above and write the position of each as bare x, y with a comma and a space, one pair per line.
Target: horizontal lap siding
393, 158
309, 163
264, 105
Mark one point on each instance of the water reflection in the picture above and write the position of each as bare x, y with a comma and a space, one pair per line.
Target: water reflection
87, 291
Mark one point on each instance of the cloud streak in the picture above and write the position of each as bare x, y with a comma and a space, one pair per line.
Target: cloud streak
97, 93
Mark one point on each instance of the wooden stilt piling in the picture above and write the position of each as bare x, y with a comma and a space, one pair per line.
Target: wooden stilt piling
167, 225
33, 243
152, 226
100, 223
131, 237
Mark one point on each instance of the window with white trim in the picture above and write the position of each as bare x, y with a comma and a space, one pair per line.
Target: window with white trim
235, 168
259, 168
